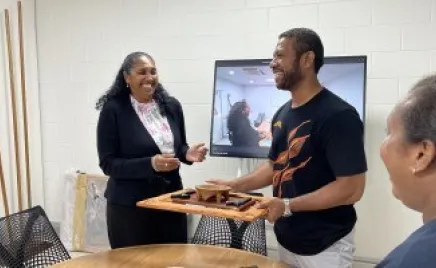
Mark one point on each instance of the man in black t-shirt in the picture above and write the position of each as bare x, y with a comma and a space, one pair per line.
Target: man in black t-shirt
317, 162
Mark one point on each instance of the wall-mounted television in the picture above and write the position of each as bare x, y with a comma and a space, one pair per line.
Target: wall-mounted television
245, 99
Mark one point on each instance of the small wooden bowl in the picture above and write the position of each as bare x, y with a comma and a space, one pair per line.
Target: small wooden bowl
219, 193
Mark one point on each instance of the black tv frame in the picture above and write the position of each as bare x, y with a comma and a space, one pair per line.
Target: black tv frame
248, 62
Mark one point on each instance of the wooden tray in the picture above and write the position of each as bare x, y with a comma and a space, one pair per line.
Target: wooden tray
245, 213
213, 204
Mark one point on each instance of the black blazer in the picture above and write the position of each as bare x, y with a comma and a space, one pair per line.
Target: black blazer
125, 149
241, 132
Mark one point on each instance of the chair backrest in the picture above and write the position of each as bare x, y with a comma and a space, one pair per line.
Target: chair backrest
249, 236
27, 239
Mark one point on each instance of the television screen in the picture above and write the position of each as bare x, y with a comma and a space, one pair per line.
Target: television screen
245, 99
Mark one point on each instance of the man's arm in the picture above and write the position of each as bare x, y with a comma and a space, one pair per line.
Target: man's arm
343, 191
342, 138
257, 179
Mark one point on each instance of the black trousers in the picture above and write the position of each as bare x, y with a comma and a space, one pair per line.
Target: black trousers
132, 226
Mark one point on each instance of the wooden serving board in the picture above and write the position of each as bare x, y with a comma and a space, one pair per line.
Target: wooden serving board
248, 213
193, 200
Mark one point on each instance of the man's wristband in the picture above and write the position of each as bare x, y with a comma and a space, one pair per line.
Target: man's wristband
288, 211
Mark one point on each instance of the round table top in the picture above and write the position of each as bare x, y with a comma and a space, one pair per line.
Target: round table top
173, 256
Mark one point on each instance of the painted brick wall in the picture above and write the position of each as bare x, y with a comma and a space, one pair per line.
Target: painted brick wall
81, 44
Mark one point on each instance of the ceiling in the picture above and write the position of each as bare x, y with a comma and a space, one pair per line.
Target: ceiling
247, 75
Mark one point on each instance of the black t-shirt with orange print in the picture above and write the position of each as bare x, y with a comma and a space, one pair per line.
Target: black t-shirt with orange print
313, 145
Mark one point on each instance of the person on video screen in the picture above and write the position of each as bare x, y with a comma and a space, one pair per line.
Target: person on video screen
241, 133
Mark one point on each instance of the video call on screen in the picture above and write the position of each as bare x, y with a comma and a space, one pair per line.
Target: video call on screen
250, 84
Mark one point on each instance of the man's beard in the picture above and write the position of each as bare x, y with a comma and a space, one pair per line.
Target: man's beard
290, 80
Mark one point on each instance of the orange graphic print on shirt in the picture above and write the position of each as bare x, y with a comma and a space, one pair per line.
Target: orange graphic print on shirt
293, 150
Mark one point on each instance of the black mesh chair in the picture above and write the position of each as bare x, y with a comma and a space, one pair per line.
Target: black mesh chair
27, 239
249, 236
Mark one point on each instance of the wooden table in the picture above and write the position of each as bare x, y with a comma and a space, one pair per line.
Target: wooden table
175, 256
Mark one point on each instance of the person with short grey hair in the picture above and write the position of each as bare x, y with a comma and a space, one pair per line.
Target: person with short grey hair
409, 154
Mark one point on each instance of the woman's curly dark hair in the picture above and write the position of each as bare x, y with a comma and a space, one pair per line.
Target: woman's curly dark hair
119, 87
236, 115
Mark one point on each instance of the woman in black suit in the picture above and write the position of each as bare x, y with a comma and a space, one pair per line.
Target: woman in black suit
141, 142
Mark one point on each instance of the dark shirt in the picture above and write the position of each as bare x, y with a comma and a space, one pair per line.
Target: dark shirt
417, 251
313, 145
241, 132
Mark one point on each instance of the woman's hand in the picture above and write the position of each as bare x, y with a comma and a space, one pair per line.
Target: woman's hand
165, 162
197, 153
262, 135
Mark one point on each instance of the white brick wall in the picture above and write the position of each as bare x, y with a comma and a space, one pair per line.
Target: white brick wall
7, 149
81, 44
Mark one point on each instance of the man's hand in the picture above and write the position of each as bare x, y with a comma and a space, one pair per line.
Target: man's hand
275, 206
229, 183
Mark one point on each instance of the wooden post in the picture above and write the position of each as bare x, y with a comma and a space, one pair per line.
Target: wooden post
24, 106
14, 108
3, 186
